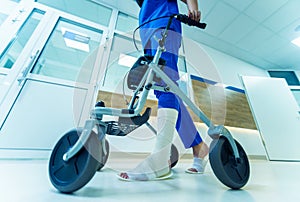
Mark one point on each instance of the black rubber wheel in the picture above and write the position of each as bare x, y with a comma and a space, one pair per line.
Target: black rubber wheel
232, 173
104, 156
69, 176
174, 156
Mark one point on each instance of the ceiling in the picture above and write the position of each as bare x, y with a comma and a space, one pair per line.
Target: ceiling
256, 31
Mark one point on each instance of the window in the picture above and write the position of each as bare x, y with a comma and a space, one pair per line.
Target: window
126, 23
122, 56
16, 45
289, 76
2, 18
70, 52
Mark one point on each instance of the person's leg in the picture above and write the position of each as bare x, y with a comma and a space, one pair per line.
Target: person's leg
157, 163
191, 138
185, 125
186, 128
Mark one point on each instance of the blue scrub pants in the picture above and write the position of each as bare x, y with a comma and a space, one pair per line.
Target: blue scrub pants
185, 126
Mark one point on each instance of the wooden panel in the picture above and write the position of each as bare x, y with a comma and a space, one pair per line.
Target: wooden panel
115, 100
223, 106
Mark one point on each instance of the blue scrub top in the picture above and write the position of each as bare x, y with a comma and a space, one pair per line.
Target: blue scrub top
152, 9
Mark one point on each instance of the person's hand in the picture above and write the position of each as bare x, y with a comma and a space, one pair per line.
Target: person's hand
194, 15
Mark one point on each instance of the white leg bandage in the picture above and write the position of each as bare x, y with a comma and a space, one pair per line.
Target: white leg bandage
156, 164
166, 121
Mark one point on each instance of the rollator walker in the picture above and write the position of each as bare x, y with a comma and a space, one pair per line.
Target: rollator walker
82, 151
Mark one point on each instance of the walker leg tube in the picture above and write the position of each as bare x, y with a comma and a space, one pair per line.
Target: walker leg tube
229, 137
176, 90
88, 127
151, 127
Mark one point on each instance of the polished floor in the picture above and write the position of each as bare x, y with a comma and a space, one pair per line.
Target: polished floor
27, 180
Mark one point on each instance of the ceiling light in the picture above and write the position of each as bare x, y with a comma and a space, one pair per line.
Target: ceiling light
221, 85
76, 40
296, 41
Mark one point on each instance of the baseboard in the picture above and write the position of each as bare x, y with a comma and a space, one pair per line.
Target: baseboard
27, 154
24, 154
184, 156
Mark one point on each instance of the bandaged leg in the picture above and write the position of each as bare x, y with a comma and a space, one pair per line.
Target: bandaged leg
156, 164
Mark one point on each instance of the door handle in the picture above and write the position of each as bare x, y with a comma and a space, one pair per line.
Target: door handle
28, 66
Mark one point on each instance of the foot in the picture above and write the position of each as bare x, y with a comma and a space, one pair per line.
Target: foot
200, 152
156, 165
150, 169
128, 177
198, 166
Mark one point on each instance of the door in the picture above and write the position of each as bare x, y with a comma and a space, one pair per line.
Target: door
53, 91
276, 114
15, 33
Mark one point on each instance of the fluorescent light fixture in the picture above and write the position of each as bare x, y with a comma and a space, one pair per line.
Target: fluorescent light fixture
126, 60
76, 40
221, 85
296, 41
6, 83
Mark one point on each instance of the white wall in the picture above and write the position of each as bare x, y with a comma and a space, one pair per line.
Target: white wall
217, 66
1, 79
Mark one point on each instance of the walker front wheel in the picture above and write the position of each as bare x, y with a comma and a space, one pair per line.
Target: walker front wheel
230, 171
69, 176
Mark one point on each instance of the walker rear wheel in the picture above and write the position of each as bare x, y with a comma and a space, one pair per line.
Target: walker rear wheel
104, 156
69, 176
230, 171
174, 156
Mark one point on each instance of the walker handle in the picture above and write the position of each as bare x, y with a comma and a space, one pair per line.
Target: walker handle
186, 20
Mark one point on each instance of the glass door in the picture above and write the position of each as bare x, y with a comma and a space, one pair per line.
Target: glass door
15, 33
54, 90
15, 46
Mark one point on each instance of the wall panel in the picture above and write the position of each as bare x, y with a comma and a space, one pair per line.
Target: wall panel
223, 106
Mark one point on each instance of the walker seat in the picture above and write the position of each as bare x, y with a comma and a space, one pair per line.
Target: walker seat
126, 125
